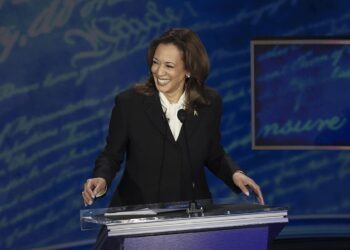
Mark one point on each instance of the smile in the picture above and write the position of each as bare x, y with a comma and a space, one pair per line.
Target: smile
163, 81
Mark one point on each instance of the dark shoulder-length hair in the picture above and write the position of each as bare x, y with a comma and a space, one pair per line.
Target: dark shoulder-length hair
196, 62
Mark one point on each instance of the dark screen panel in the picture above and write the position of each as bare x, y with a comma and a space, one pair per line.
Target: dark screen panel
301, 94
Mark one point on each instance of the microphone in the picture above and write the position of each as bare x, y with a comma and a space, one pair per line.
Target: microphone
182, 115
193, 207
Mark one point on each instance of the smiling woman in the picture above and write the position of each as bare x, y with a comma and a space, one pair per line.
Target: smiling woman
166, 156
169, 71
158, 169
192, 63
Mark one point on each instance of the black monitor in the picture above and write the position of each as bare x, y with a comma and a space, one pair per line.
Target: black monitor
300, 93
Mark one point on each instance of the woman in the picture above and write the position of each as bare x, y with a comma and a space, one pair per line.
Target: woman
165, 158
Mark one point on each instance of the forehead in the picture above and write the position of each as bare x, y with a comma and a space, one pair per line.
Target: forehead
168, 52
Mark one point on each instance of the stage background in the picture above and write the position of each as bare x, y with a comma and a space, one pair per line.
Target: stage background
63, 61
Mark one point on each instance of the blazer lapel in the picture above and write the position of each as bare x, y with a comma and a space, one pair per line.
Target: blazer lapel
155, 113
192, 122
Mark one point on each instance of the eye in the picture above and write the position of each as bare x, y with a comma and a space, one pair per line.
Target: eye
155, 62
170, 66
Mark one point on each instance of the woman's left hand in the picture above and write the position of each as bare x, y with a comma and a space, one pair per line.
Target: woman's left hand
244, 182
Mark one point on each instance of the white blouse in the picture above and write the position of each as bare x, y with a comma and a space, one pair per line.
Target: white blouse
170, 110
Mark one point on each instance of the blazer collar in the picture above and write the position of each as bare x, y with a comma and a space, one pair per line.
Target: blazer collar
153, 109
192, 122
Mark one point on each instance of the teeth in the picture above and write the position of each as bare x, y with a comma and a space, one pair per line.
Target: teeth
163, 81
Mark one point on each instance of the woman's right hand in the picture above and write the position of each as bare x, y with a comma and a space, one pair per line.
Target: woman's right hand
93, 188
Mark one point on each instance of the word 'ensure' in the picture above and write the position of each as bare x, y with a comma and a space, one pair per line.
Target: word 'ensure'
299, 126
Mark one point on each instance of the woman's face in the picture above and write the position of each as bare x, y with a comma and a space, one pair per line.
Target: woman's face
168, 70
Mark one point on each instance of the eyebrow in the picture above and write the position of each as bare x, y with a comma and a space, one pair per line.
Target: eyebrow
154, 58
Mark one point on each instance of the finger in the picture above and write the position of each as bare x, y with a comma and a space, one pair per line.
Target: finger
261, 199
257, 191
89, 185
97, 188
244, 189
238, 180
85, 199
101, 187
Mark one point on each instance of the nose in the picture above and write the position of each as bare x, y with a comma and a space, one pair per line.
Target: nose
160, 70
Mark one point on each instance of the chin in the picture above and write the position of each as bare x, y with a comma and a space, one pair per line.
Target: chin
162, 88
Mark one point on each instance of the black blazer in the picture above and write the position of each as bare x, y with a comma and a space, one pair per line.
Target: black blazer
157, 166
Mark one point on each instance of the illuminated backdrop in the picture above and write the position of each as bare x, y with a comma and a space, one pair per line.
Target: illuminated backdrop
63, 61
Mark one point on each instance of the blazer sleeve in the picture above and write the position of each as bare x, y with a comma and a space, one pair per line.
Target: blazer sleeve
218, 161
109, 161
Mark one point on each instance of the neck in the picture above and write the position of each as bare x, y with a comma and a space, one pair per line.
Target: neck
173, 98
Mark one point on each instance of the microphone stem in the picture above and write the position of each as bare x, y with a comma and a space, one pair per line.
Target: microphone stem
163, 156
193, 207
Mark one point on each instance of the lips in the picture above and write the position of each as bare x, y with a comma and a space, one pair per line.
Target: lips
163, 81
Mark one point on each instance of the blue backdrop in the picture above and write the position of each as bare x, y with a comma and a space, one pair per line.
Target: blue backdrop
63, 61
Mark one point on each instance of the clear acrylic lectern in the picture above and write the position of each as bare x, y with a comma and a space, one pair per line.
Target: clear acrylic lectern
170, 226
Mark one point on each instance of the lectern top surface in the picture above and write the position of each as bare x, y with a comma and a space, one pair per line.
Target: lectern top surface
176, 211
